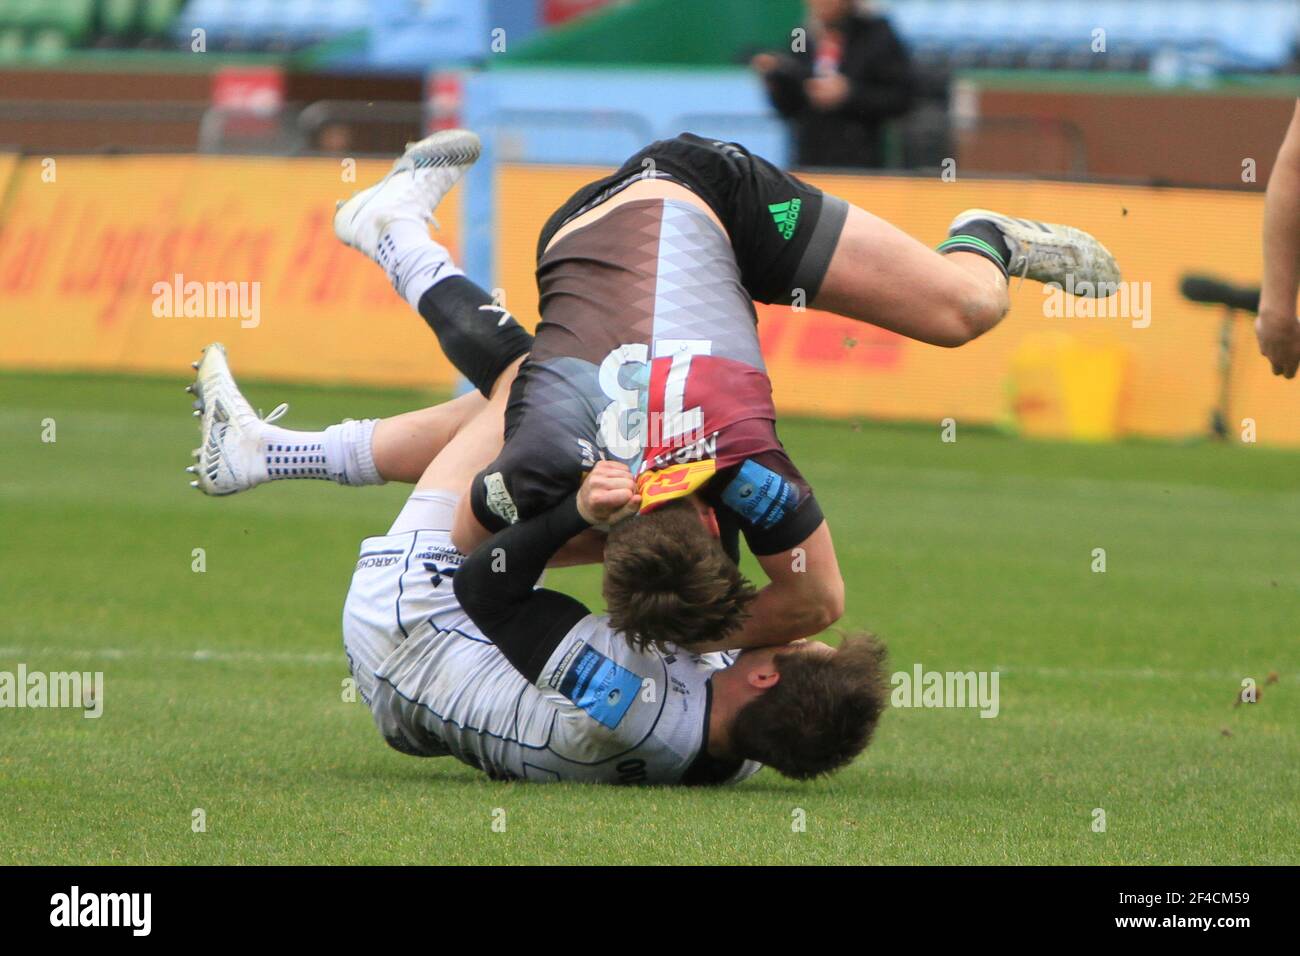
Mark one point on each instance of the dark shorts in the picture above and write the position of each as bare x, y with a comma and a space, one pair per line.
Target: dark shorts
782, 230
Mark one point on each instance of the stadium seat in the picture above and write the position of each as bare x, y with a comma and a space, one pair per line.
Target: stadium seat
157, 16
261, 24
26, 15
58, 24
11, 43
1259, 35
119, 19
344, 16
1147, 25
217, 18
301, 22
272, 24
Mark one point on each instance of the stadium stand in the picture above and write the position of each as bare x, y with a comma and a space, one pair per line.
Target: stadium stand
272, 24
1237, 35
46, 29
948, 35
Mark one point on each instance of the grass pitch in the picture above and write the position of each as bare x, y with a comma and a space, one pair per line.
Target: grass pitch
223, 688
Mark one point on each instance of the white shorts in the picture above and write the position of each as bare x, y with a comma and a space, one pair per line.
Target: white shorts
398, 591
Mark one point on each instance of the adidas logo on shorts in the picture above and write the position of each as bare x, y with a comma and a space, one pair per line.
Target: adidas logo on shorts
786, 215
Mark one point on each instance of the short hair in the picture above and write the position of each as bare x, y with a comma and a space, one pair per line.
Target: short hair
667, 580
820, 714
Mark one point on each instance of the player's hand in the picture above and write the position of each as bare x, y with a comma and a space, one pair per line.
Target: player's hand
826, 92
764, 63
608, 494
1279, 341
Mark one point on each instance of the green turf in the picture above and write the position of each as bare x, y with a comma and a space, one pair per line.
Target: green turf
223, 688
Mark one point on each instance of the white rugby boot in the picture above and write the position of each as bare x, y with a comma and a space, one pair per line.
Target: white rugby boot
230, 456
1047, 252
411, 190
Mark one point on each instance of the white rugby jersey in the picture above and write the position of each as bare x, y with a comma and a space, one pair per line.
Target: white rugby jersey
600, 711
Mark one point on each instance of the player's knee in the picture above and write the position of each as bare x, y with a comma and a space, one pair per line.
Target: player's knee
970, 313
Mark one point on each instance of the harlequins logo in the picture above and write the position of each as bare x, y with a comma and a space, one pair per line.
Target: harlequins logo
786, 215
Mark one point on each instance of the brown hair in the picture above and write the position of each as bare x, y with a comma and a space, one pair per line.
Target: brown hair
820, 714
668, 580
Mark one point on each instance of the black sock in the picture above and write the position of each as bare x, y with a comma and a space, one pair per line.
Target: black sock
982, 237
480, 342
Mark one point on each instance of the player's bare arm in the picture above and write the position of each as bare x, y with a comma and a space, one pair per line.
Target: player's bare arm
1277, 328
804, 595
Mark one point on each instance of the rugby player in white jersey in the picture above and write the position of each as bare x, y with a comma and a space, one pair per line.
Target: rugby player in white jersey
464, 656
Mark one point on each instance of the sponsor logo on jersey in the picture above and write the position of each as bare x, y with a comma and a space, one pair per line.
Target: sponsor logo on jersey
383, 560
706, 447
597, 685
786, 216
442, 553
664, 484
760, 495
557, 675
499, 501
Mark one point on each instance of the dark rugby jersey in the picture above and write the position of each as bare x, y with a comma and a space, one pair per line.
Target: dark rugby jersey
648, 353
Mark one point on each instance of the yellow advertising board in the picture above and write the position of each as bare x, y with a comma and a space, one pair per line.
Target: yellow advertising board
89, 261
8, 164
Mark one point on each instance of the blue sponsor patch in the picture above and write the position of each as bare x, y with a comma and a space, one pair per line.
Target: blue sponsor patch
759, 495
600, 687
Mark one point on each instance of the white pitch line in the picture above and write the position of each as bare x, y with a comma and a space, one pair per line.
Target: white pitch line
1134, 673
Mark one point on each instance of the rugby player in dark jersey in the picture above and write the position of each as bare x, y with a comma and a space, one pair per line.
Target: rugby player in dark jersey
648, 354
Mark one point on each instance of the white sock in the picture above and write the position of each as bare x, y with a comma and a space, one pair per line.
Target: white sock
341, 453
413, 261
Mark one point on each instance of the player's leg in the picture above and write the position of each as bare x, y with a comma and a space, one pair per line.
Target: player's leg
389, 223
405, 446
879, 274
239, 450
472, 446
